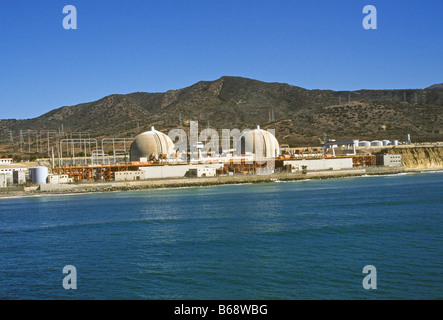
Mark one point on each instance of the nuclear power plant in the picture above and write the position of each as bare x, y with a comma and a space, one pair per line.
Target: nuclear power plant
156, 155
151, 144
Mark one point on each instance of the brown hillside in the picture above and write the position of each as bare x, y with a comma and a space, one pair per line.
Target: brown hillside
301, 116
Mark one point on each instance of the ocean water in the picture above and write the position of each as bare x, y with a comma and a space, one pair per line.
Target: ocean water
292, 240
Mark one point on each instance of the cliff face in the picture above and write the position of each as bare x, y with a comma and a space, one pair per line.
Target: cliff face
420, 157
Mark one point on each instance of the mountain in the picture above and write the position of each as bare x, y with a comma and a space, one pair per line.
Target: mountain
437, 86
301, 116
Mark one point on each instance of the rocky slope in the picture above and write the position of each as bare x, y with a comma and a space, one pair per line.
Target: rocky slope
299, 116
420, 157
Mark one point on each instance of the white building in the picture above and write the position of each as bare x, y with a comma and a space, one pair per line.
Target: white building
5, 161
202, 172
5, 180
129, 175
178, 171
59, 178
19, 177
12, 172
389, 160
320, 164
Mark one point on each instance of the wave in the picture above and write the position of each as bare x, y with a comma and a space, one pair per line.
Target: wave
387, 175
291, 181
19, 197
433, 171
55, 194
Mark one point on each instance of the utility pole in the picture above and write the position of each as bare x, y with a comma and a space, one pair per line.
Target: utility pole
48, 145
11, 140
53, 160
324, 144
29, 141
38, 141
21, 140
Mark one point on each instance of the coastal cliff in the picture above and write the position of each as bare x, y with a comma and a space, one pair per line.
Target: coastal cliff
420, 157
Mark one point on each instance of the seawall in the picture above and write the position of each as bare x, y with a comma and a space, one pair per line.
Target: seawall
195, 182
414, 158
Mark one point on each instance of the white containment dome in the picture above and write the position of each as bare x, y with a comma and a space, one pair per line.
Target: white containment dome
151, 144
261, 143
38, 175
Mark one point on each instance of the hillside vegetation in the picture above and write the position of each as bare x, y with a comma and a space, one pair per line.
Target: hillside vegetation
300, 117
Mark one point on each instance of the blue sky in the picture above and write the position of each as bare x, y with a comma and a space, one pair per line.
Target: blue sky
154, 46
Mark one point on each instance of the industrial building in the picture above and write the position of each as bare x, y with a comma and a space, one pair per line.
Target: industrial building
11, 173
259, 142
153, 155
129, 175
389, 160
59, 178
151, 145
179, 170
5, 161
319, 164
19, 177
9, 168
200, 172
4, 181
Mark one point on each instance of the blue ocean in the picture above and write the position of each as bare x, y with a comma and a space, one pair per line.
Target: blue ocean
283, 240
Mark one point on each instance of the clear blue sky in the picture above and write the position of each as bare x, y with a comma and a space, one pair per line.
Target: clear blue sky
154, 46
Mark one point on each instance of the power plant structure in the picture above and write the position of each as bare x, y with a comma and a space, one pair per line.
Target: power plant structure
151, 145
155, 155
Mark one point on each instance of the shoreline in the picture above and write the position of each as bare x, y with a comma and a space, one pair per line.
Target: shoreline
173, 183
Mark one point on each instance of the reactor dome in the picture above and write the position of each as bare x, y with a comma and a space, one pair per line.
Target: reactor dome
259, 142
151, 144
